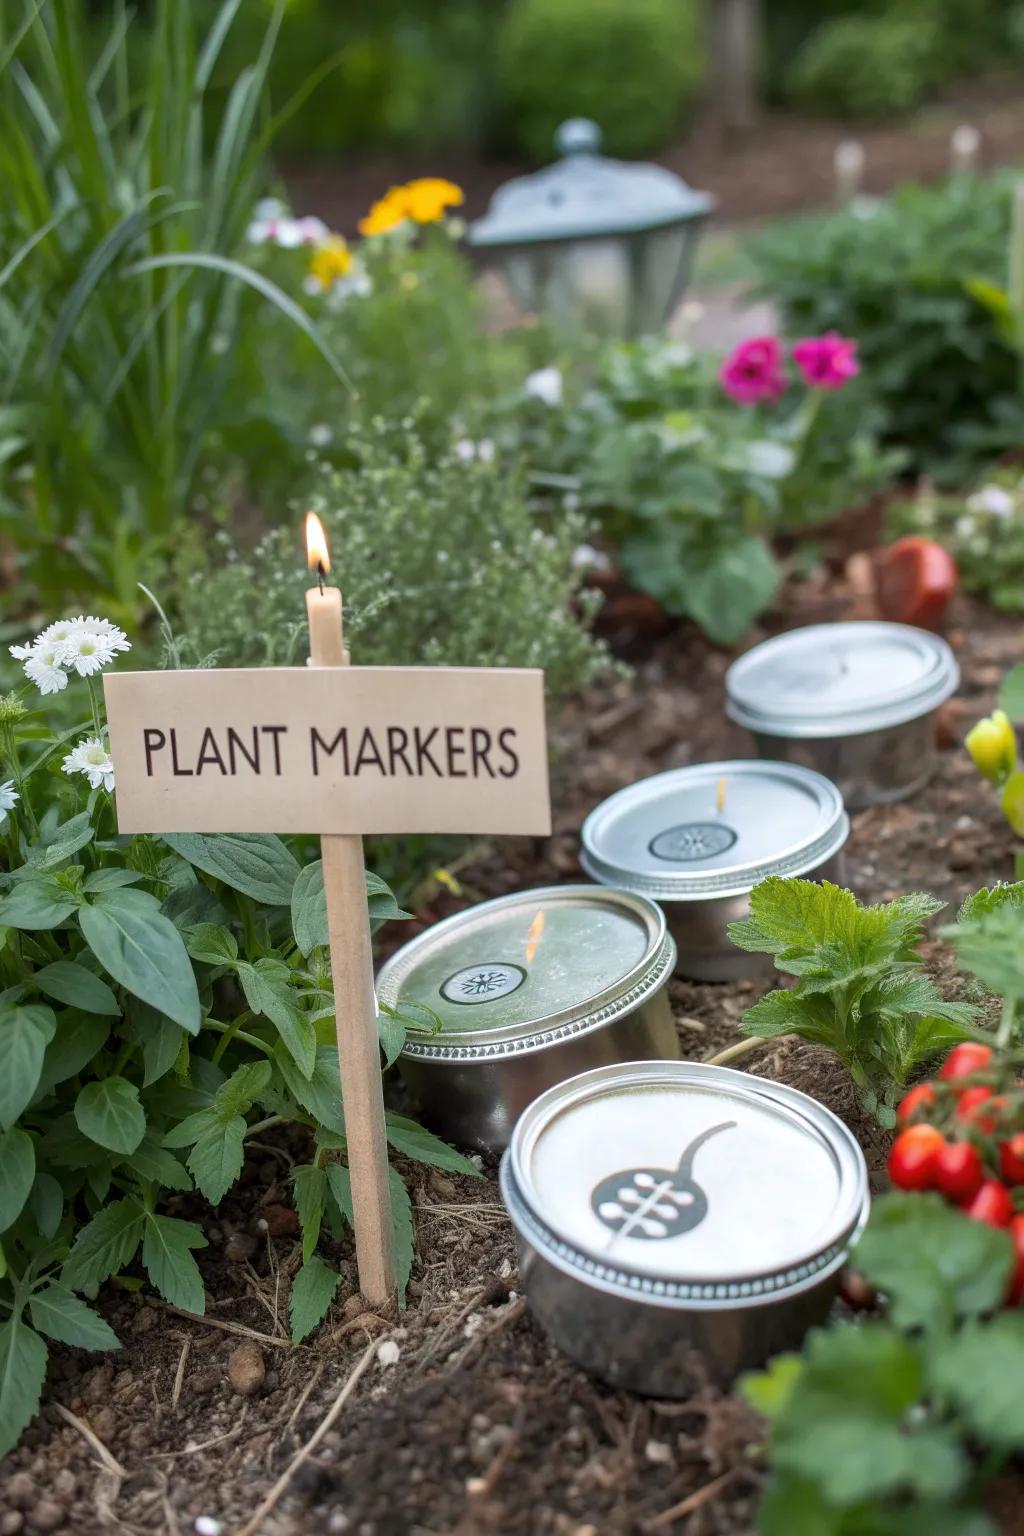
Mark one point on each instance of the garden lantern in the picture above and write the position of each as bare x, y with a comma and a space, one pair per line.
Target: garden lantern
590, 241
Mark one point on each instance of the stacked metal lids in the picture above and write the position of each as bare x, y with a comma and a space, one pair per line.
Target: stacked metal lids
832, 680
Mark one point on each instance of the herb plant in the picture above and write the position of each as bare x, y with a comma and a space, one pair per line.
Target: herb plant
861, 989
162, 1001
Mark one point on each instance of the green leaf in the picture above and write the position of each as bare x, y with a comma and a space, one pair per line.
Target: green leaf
321, 1093
268, 991
169, 1263
988, 939
144, 952
258, 865
1011, 693
787, 1013
155, 1164
237, 1095
424, 1147
17, 1174
104, 1246
339, 1188
161, 1041
217, 1156
979, 1370
770, 1390
36, 904
381, 902
109, 1113
61, 1315
211, 943
46, 1202
405, 1238
25, 1033
727, 589
78, 1038
66, 840
188, 1131
71, 983
309, 908
22, 1373
313, 1290
111, 879
933, 1263
310, 1184
989, 900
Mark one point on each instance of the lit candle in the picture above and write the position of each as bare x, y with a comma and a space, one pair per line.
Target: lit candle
323, 603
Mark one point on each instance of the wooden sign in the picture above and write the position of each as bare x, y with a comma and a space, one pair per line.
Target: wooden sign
330, 750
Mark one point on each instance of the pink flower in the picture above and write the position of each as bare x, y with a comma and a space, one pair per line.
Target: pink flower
753, 371
826, 362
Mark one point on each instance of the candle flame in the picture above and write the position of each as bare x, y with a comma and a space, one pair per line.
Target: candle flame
720, 796
533, 938
317, 552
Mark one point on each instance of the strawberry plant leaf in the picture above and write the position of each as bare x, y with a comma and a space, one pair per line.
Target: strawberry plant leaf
108, 1112
313, 1290
17, 1174
22, 1373
63, 1316
979, 1370
168, 1261
143, 951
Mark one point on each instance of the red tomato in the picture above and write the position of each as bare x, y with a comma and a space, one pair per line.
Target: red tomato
969, 1109
912, 1159
959, 1171
1017, 1277
992, 1204
918, 1098
1011, 1159
966, 1058
915, 579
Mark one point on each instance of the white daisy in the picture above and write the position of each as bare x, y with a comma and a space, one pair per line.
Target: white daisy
91, 758
22, 652
57, 633
87, 651
117, 637
44, 668
8, 799
545, 384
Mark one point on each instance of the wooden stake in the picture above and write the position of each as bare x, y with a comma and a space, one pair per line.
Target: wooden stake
355, 1005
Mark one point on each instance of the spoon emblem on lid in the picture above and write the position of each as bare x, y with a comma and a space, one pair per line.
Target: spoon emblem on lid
655, 1203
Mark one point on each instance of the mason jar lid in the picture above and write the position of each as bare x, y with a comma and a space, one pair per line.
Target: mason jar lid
714, 829
840, 679
524, 971
676, 1182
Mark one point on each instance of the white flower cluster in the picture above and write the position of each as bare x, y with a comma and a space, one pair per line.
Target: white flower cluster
8, 799
84, 645
93, 759
273, 223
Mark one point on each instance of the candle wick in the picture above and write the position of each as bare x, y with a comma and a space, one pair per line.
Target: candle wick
320, 575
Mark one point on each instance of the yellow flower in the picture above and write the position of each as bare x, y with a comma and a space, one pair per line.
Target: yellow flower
1013, 802
993, 745
447, 879
429, 197
387, 213
330, 261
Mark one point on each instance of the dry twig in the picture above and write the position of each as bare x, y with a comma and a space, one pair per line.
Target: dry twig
692, 1502
225, 1326
179, 1375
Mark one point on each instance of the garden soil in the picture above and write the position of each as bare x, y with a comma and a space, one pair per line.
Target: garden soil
464, 1419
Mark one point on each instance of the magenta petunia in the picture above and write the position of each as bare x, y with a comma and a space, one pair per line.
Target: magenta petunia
826, 362
753, 371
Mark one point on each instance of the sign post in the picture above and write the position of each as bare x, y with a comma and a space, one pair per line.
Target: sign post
340, 751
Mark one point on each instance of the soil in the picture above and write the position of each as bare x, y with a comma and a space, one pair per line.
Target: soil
466, 1419
782, 165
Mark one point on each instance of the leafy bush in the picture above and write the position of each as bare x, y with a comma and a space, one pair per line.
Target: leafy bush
631, 65
865, 66
162, 1000
898, 276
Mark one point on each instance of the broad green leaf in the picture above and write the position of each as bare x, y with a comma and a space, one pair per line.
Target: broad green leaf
309, 908
988, 900
932, 1262
310, 1184
144, 952
22, 1372
160, 1038
401, 1216
730, 587
188, 1131
169, 1263
46, 1202
268, 991
66, 840
71, 983
319, 1094
155, 1164
216, 1159
256, 864
979, 1370
424, 1147
771, 1389
36, 904
17, 1173
111, 879
108, 1112
78, 1037
246, 1083
381, 902
25, 1033
104, 1246
61, 1315
313, 1290
211, 943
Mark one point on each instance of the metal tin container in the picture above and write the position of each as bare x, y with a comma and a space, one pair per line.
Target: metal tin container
856, 701
531, 989
667, 1208
699, 839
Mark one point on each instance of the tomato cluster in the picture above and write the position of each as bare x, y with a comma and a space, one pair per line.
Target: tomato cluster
962, 1136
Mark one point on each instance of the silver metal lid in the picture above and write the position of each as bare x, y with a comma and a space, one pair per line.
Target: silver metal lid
585, 195
679, 1182
840, 679
714, 829
525, 971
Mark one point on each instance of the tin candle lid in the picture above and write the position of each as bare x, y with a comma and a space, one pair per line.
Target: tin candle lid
525, 970
681, 1182
840, 679
714, 829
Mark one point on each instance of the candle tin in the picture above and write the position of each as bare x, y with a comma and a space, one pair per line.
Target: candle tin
857, 701
530, 989
698, 839
666, 1208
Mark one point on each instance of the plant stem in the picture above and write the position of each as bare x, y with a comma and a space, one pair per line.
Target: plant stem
743, 1048
1005, 1032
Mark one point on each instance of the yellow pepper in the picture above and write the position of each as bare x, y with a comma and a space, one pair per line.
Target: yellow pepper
993, 745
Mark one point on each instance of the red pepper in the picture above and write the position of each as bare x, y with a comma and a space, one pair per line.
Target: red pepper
969, 1109
1011, 1159
915, 579
959, 1171
991, 1204
912, 1159
918, 1098
970, 1056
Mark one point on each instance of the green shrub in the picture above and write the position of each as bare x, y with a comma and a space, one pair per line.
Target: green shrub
896, 276
865, 66
631, 65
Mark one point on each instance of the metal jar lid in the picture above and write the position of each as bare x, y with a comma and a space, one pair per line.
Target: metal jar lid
840, 679
527, 970
714, 829
680, 1183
